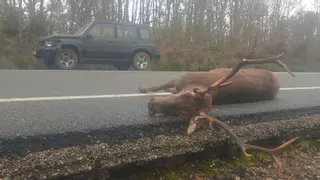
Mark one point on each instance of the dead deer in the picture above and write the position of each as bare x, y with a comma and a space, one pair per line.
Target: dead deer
194, 94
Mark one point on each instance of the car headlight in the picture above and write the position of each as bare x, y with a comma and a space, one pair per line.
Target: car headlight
48, 43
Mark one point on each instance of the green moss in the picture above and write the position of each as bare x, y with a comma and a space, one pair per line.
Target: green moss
306, 146
208, 167
212, 167
169, 174
256, 158
174, 174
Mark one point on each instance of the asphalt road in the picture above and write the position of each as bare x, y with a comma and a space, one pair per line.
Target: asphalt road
38, 116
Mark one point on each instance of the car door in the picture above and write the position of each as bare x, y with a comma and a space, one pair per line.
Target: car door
100, 43
126, 39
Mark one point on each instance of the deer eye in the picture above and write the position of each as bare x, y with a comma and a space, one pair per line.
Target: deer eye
189, 94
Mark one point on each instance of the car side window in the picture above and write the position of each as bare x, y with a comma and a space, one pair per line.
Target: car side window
144, 33
127, 32
102, 31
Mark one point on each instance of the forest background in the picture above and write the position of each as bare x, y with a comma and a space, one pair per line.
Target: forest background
191, 35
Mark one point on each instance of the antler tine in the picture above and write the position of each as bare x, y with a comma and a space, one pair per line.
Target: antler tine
243, 146
221, 82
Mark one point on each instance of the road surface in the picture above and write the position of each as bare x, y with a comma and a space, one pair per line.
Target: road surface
36, 103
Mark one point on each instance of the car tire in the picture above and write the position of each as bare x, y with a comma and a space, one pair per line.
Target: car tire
65, 59
141, 61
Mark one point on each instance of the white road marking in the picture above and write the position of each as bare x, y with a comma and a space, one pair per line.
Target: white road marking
298, 88
27, 99
78, 97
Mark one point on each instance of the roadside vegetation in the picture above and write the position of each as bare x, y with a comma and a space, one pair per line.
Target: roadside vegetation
191, 35
300, 161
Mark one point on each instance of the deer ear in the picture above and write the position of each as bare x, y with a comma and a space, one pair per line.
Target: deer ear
198, 95
195, 90
226, 83
195, 123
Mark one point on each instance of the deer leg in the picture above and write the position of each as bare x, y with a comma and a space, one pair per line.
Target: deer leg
170, 84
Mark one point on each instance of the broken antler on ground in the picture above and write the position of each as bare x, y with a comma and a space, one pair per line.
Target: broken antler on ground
243, 146
194, 94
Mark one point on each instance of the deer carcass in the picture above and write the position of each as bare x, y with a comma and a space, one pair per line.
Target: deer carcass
194, 94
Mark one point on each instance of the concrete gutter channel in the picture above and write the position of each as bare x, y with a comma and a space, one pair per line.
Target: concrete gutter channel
99, 153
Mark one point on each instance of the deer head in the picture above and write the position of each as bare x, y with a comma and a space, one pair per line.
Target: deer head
184, 104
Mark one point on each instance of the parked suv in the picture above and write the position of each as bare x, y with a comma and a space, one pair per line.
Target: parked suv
100, 42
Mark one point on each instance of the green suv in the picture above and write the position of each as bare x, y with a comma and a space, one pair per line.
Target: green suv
123, 45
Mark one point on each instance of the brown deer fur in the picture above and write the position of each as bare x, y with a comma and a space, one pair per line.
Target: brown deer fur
248, 85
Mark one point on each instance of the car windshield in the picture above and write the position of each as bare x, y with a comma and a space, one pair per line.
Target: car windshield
82, 29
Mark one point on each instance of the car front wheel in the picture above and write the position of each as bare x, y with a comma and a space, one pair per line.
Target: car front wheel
66, 59
141, 61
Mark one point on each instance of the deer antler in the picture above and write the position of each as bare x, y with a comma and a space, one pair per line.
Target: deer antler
207, 96
243, 146
222, 81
